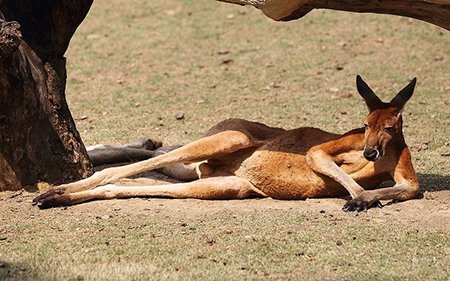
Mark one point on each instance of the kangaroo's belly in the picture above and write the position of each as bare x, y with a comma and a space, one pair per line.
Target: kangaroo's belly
285, 175
280, 170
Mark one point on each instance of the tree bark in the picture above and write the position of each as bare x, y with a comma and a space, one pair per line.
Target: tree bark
38, 138
436, 12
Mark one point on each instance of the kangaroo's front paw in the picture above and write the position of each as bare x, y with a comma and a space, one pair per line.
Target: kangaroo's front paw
52, 198
360, 204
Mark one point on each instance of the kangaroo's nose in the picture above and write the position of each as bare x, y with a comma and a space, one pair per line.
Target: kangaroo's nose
371, 154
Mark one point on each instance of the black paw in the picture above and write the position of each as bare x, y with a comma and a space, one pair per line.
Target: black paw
50, 199
150, 144
360, 205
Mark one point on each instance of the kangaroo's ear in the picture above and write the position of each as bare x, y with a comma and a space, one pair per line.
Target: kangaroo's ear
372, 101
404, 95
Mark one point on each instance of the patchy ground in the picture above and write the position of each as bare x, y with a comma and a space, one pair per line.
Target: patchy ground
133, 68
225, 240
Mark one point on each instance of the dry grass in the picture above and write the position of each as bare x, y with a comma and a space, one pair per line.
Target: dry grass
133, 66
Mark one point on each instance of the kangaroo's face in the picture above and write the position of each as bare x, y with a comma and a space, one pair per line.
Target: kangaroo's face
382, 125
384, 121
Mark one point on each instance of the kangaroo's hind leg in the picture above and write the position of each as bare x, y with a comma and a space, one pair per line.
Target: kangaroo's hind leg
228, 187
203, 149
109, 154
102, 154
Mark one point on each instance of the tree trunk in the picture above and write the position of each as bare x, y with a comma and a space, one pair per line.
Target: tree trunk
436, 12
38, 138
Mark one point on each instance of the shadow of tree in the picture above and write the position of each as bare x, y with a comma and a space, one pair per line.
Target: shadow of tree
433, 182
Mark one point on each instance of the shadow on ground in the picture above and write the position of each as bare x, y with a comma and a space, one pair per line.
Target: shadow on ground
15, 271
433, 182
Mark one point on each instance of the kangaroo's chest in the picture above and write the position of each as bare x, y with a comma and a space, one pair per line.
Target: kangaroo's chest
353, 161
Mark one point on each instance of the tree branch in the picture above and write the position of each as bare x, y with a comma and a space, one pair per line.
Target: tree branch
436, 12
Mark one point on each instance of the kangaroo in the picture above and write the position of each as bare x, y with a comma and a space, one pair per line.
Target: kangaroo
238, 159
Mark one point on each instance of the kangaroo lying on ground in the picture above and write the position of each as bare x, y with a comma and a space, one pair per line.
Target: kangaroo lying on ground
238, 159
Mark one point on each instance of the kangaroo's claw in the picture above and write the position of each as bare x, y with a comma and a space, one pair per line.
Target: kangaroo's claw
52, 198
377, 204
360, 205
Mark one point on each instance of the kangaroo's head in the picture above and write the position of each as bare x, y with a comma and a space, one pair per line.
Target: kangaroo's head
384, 121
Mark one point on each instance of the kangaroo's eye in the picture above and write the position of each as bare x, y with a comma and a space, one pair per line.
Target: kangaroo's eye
389, 129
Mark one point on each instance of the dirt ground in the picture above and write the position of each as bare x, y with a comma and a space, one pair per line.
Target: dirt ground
429, 212
141, 239
132, 68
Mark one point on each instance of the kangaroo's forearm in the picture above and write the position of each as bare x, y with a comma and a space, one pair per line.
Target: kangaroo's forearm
402, 191
323, 164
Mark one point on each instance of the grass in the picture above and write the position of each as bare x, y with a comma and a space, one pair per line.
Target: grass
133, 67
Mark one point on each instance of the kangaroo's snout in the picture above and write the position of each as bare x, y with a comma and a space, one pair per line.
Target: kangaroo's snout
372, 154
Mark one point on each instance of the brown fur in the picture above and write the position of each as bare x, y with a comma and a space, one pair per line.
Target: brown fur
239, 158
